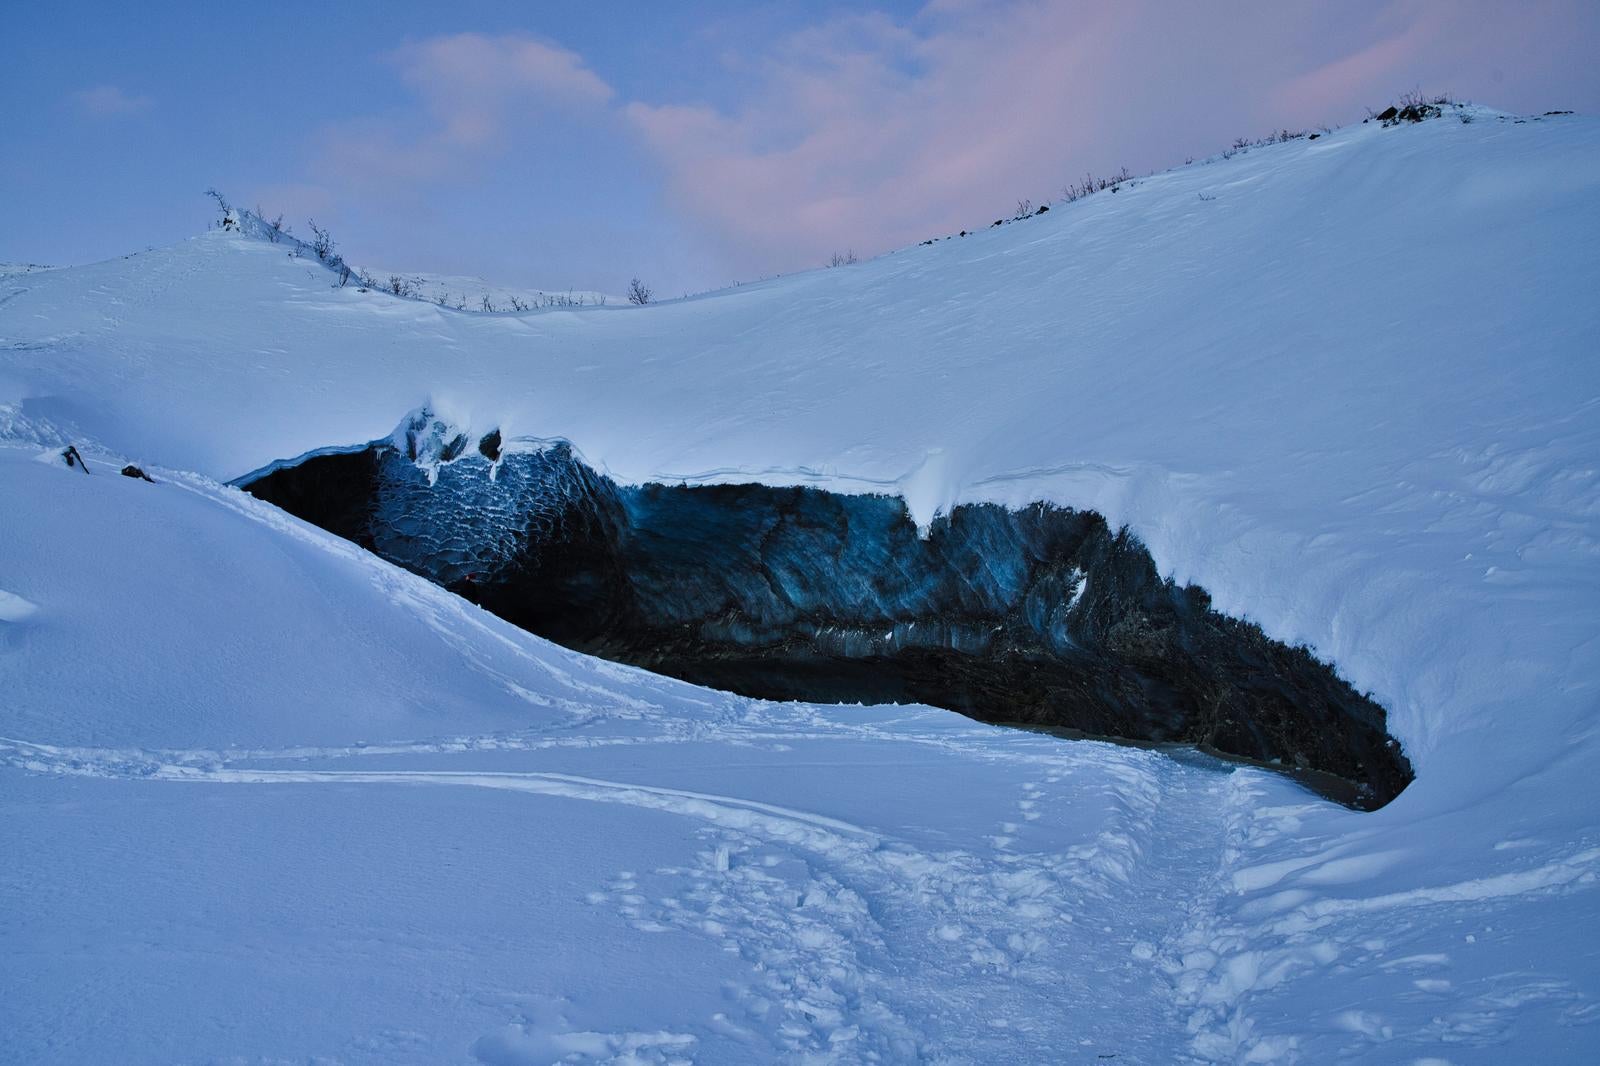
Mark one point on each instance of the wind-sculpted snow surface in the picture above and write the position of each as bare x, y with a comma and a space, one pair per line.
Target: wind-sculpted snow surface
267, 797
1041, 616
323, 789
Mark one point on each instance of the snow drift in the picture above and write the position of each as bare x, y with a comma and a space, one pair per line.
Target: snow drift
1350, 391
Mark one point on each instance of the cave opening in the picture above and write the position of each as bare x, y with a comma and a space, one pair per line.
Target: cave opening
1043, 617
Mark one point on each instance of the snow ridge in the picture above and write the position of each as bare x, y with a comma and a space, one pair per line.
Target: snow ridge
285, 801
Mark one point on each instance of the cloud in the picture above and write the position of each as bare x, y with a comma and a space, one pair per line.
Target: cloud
874, 132
1342, 79
470, 86
1462, 47
870, 131
109, 100
1411, 39
473, 70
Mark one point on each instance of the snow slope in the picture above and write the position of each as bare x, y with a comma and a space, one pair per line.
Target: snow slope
286, 793
275, 799
469, 293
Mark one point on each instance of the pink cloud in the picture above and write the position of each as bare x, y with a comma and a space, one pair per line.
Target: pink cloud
468, 68
1410, 34
469, 86
874, 133
871, 134
1451, 46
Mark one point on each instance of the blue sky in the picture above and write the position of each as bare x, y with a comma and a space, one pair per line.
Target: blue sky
692, 144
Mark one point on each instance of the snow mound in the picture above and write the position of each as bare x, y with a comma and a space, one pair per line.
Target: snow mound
1347, 385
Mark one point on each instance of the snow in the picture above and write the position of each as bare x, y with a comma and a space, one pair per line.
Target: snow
266, 797
14, 269
467, 293
14, 608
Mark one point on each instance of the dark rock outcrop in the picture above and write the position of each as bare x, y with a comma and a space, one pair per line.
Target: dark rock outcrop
1044, 616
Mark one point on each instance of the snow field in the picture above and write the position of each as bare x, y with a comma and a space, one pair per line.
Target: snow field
264, 797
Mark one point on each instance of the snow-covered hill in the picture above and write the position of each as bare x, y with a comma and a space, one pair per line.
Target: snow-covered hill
8, 270
465, 293
273, 798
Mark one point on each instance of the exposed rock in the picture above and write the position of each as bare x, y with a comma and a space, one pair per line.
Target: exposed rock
1414, 112
1043, 616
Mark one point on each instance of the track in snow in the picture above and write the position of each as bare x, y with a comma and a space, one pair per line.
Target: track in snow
860, 942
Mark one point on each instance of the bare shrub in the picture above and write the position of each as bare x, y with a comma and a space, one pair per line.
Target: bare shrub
1416, 98
321, 242
275, 228
639, 293
227, 219
1091, 184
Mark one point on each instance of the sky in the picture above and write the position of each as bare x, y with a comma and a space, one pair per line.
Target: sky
691, 144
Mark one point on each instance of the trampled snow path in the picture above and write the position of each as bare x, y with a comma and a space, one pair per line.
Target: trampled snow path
1148, 934
786, 881
856, 942
1347, 385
